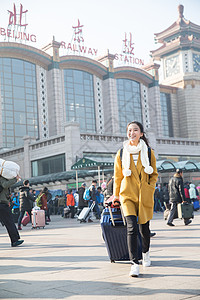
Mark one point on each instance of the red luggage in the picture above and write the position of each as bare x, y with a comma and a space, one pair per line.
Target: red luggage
38, 218
26, 219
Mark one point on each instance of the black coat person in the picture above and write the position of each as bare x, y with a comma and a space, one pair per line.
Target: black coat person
82, 203
176, 195
26, 199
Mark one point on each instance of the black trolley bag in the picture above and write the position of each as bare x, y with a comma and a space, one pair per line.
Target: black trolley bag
114, 233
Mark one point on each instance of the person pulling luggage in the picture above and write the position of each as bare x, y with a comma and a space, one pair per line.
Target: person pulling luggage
176, 195
135, 181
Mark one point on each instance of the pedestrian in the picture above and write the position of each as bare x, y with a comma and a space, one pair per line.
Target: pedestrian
108, 191
134, 181
49, 205
26, 199
192, 192
5, 211
100, 198
176, 195
186, 191
15, 202
165, 194
55, 205
193, 196
82, 203
42, 202
93, 199
61, 205
156, 199
71, 203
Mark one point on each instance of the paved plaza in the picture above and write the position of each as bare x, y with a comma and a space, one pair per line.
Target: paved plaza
68, 260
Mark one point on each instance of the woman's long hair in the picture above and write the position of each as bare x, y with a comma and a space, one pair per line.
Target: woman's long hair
141, 129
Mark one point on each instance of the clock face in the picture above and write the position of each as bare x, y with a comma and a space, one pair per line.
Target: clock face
172, 66
196, 62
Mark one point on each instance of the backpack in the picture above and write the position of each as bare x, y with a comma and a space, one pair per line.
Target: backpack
86, 195
39, 200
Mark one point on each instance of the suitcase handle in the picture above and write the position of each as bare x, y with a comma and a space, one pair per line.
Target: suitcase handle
111, 214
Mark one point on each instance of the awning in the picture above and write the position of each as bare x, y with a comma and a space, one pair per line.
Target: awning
86, 163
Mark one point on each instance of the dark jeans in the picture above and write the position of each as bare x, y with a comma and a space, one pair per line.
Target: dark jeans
72, 211
22, 212
173, 213
7, 218
96, 208
132, 233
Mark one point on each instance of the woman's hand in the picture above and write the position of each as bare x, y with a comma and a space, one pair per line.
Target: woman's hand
115, 201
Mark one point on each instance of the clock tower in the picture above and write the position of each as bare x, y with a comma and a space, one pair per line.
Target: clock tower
180, 62
180, 51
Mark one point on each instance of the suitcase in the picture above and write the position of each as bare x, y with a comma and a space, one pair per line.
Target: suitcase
38, 218
196, 205
185, 210
114, 233
84, 214
26, 219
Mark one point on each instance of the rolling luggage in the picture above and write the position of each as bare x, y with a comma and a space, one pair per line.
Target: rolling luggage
84, 214
38, 218
185, 210
114, 233
26, 219
196, 205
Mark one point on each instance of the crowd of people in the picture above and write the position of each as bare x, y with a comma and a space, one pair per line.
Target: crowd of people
162, 197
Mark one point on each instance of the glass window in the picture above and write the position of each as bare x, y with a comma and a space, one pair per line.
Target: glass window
166, 114
18, 90
129, 102
79, 97
54, 164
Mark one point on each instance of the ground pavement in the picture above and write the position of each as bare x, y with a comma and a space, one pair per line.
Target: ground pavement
68, 260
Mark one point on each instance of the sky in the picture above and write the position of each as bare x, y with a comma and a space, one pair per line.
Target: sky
105, 21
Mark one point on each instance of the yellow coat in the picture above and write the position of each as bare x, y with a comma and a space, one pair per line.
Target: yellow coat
136, 191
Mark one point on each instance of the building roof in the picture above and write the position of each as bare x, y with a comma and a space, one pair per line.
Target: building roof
86, 163
170, 166
182, 34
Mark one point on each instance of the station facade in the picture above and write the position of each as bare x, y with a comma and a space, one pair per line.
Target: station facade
55, 110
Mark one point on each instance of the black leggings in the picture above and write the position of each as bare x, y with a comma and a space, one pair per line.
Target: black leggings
132, 233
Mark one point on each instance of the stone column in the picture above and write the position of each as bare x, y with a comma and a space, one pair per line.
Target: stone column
27, 163
72, 143
155, 110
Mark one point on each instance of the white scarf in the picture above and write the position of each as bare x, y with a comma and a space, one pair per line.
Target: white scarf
128, 150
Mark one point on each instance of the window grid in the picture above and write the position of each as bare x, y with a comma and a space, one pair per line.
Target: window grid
129, 102
19, 101
79, 99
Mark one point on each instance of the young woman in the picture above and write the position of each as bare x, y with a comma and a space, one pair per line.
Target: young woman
134, 181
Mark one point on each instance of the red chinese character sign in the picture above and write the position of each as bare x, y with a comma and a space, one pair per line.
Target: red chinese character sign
77, 46
127, 56
13, 16
16, 28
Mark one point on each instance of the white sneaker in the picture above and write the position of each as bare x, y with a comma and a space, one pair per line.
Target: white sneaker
146, 262
135, 270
